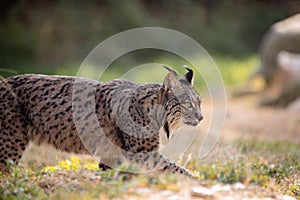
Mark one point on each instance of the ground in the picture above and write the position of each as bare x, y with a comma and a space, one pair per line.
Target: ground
258, 158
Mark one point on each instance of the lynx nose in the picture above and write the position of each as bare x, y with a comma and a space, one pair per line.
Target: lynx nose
199, 116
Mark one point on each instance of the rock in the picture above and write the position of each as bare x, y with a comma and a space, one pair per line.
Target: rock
239, 186
294, 106
202, 192
174, 197
143, 191
225, 188
167, 193
287, 197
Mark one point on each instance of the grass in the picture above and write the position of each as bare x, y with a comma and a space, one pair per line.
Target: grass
258, 162
272, 165
236, 71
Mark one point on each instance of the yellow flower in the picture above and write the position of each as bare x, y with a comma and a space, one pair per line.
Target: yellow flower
75, 163
93, 166
49, 169
65, 164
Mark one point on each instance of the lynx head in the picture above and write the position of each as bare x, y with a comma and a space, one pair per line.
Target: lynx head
183, 100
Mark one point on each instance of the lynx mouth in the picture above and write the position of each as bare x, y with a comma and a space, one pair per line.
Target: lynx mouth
192, 123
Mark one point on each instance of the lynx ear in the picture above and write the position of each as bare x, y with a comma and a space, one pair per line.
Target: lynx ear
171, 81
161, 95
189, 76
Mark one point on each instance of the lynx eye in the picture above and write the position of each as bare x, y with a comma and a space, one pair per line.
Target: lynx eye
188, 104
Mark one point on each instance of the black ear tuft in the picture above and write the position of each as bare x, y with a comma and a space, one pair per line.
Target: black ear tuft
189, 76
169, 69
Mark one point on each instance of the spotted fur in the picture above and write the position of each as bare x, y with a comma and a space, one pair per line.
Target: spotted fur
101, 118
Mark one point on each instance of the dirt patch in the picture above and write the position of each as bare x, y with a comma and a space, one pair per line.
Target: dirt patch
247, 121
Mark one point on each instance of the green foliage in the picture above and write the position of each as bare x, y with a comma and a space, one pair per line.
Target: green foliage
277, 161
226, 172
236, 71
21, 184
48, 35
261, 163
294, 190
253, 163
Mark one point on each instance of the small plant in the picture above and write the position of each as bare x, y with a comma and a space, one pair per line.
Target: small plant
295, 190
20, 184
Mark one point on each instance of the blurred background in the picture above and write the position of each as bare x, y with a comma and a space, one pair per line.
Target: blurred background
54, 36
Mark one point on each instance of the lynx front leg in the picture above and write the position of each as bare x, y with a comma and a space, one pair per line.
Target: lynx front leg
156, 161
